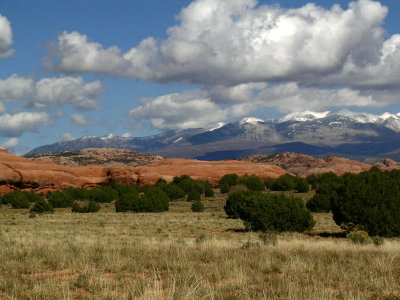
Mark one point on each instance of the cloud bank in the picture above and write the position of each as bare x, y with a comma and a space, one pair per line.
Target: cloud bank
50, 92
199, 108
229, 42
246, 56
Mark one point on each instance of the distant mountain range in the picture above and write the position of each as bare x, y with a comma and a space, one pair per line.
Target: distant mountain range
343, 133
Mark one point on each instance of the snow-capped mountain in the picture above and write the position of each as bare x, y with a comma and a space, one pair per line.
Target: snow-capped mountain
252, 121
304, 116
316, 133
389, 120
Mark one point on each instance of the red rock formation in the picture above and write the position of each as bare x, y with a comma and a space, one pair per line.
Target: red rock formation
17, 172
211, 171
20, 173
304, 165
106, 157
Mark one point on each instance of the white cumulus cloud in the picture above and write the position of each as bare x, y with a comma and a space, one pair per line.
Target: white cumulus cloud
231, 42
11, 143
79, 120
199, 108
247, 56
6, 38
15, 88
67, 137
50, 92
14, 125
179, 111
71, 90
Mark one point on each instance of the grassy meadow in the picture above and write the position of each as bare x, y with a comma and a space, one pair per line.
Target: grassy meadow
184, 255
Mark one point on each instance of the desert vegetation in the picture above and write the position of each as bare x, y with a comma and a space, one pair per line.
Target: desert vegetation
150, 242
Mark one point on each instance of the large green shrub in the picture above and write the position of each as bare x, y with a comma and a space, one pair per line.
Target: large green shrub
60, 199
188, 184
102, 194
289, 182
124, 188
316, 180
370, 200
208, 190
16, 199
224, 188
173, 191
235, 199
252, 182
197, 206
301, 185
76, 193
319, 203
127, 202
229, 179
42, 206
194, 196
286, 182
33, 197
154, 199
271, 212
269, 182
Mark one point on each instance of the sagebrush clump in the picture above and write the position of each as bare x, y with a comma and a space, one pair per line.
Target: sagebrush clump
42, 206
90, 207
197, 206
16, 199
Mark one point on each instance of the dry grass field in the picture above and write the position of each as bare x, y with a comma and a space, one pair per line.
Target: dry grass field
184, 255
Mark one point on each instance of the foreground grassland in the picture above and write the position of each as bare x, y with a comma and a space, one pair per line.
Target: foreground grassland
184, 255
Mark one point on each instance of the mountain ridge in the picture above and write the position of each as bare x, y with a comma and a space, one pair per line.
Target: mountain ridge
342, 133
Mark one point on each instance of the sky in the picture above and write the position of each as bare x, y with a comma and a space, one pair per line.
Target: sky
136, 68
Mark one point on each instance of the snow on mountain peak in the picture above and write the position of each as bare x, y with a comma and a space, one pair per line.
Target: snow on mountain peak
217, 126
108, 136
388, 115
359, 117
87, 137
252, 121
304, 116
386, 119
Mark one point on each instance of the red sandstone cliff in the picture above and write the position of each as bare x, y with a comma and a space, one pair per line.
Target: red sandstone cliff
20, 173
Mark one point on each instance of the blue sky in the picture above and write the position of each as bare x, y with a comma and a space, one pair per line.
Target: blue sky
223, 60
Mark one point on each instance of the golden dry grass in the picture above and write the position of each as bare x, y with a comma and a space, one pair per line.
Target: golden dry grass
183, 255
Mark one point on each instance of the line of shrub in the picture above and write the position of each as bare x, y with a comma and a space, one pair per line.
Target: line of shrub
286, 182
127, 197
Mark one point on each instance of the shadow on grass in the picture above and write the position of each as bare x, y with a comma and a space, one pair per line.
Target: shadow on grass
328, 234
236, 230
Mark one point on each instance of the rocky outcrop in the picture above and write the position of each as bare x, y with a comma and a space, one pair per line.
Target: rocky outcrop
211, 171
304, 165
23, 174
107, 157
19, 173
